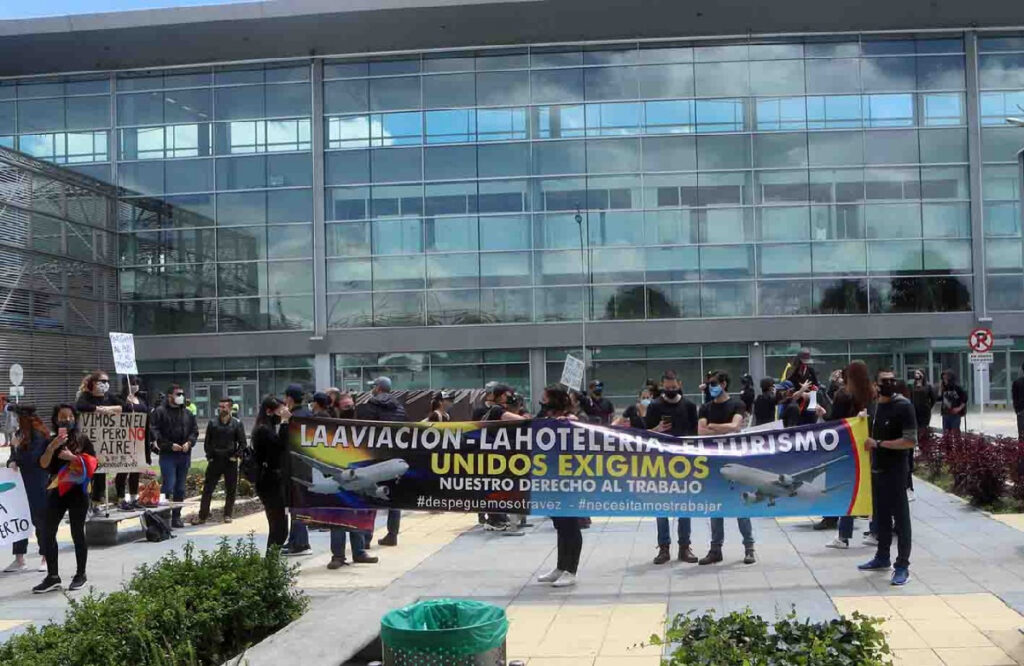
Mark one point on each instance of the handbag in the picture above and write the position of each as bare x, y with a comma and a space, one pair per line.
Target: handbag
156, 527
250, 467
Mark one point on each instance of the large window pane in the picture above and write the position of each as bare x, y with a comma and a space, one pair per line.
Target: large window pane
839, 257
610, 83
835, 148
501, 269
502, 88
895, 256
395, 93
677, 153
612, 156
840, 297
727, 299
673, 301
665, 81
453, 270
723, 152
348, 239
780, 150
398, 308
721, 79
562, 85
665, 264
449, 90
505, 232
349, 310
783, 223
786, 297
724, 262
777, 77
453, 307
833, 75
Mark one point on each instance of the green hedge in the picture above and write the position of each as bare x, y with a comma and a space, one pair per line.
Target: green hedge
197, 608
745, 639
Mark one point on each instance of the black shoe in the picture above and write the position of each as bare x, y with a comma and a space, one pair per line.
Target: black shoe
388, 540
663, 555
336, 563
826, 524
49, 584
126, 505
77, 582
363, 558
714, 556
176, 523
749, 557
686, 555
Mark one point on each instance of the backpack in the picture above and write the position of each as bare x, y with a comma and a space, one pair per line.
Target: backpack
250, 467
156, 527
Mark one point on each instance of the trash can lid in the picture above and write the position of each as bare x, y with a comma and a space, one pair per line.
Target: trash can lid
455, 626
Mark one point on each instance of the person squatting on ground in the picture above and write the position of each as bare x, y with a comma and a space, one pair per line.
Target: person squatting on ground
94, 396
71, 462
556, 404
223, 444
723, 416
672, 414
175, 432
30, 442
893, 433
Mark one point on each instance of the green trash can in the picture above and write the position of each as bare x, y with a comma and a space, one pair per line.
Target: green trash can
444, 632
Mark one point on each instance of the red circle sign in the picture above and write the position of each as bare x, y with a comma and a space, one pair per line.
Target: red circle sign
981, 340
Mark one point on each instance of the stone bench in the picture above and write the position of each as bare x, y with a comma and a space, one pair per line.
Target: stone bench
121, 526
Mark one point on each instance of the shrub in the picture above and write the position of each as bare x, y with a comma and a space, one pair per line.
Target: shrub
745, 639
931, 453
978, 467
198, 608
1013, 457
194, 485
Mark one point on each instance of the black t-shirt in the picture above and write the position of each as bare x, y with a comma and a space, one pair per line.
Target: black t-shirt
633, 415
764, 409
953, 397
721, 412
599, 408
493, 413
747, 396
682, 413
480, 412
892, 420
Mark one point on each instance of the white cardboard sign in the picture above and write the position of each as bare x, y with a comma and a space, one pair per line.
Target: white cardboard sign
123, 347
572, 373
15, 517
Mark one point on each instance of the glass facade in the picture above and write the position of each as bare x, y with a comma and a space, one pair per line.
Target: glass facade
435, 370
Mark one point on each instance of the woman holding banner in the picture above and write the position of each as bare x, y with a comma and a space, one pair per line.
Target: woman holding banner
94, 396
857, 392
30, 443
555, 401
132, 402
71, 461
270, 449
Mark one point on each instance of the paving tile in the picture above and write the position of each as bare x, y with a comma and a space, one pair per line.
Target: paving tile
560, 661
902, 636
6, 625
873, 606
922, 607
630, 625
916, 657
638, 660
967, 656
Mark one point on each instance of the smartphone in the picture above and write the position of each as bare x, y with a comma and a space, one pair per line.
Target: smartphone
666, 419
62, 433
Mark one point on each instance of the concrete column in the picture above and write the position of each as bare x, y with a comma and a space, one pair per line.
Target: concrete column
974, 152
537, 378
756, 366
322, 375
319, 228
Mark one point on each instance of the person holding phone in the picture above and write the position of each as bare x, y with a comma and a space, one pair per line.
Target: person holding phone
94, 396
673, 414
71, 461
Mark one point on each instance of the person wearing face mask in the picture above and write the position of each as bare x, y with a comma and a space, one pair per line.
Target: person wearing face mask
384, 405
270, 449
634, 416
223, 444
724, 415
954, 402
674, 415
598, 408
747, 393
71, 462
175, 432
30, 441
132, 400
439, 407
765, 404
893, 432
94, 396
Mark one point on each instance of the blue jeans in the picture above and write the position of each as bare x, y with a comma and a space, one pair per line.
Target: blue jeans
338, 542
664, 539
173, 470
846, 527
718, 532
951, 421
298, 535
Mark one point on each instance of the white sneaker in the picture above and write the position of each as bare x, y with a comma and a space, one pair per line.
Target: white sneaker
551, 576
841, 544
42, 565
565, 580
16, 567
871, 540
911, 496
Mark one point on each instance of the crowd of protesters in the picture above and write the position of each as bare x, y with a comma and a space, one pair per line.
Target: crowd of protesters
59, 464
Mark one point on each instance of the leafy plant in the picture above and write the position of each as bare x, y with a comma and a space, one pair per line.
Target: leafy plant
197, 608
1013, 457
931, 452
978, 467
744, 639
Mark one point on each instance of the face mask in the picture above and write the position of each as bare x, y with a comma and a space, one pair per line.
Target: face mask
598, 391
179, 400
103, 386
67, 425
134, 388
349, 413
715, 390
672, 395
887, 389
646, 402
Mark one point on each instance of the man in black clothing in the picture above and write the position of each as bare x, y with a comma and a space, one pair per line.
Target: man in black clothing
223, 443
723, 416
298, 532
175, 433
1017, 392
673, 414
893, 433
383, 405
598, 408
764, 404
923, 396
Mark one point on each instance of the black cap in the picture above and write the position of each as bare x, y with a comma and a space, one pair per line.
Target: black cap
322, 399
295, 392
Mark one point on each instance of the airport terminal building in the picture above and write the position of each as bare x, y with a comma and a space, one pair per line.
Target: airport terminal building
441, 190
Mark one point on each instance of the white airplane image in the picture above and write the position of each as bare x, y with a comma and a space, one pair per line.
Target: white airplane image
328, 480
772, 485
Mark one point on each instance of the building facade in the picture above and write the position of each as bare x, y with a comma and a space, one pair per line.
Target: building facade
451, 215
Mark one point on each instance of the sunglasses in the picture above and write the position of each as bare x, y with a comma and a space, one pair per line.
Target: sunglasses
177, 394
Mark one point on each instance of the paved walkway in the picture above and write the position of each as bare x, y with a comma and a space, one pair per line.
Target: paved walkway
962, 606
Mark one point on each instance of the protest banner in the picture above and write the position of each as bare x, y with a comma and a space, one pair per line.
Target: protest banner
568, 468
15, 517
120, 439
